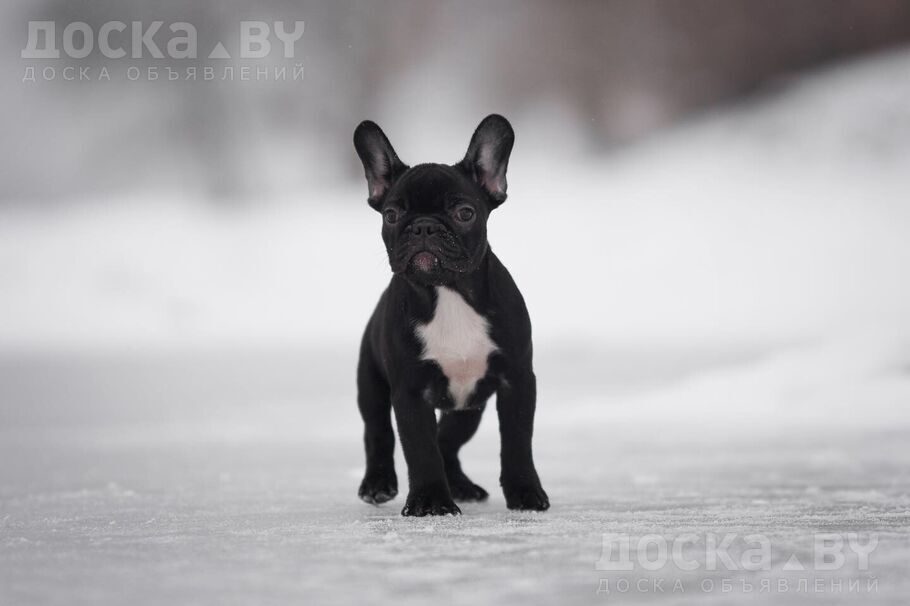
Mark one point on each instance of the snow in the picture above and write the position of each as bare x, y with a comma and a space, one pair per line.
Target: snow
722, 345
779, 220
91, 517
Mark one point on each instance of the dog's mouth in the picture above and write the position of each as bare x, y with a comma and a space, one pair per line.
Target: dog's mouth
424, 262
430, 259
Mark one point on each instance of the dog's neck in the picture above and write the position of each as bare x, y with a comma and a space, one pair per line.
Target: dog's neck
473, 286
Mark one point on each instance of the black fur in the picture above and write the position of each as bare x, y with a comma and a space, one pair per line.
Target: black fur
434, 230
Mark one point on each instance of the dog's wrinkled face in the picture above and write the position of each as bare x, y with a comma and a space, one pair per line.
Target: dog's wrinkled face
434, 215
434, 224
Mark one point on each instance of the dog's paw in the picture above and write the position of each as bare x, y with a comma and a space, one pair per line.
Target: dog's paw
463, 489
430, 502
529, 497
378, 488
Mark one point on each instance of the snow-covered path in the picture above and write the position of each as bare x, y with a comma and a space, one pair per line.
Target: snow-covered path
245, 499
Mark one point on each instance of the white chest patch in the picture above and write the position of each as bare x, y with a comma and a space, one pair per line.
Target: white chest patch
458, 340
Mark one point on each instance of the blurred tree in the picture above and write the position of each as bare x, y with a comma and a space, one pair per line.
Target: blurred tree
620, 68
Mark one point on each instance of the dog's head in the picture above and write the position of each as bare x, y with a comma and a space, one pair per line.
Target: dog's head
434, 216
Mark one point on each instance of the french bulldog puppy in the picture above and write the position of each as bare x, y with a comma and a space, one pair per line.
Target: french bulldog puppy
450, 330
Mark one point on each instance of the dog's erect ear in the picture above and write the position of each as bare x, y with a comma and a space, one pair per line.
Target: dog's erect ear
488, 156
380, 162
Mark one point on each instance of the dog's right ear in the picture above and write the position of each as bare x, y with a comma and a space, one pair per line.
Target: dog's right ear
380, 162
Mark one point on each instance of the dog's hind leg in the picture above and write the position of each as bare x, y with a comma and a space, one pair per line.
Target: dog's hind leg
455, 429
380, 484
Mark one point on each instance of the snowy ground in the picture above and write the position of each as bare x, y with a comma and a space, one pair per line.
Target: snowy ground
177, 419
235, 482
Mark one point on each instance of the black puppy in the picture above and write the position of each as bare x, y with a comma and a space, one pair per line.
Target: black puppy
449, 331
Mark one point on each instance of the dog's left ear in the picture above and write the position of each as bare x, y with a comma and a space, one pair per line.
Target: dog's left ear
488, 156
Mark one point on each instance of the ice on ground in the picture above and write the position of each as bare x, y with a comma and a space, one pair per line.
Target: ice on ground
102, 514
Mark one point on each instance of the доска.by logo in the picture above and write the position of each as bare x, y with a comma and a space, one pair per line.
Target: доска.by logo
177, 42
833, 563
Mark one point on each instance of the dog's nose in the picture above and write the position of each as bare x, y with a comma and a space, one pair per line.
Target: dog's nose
424, 227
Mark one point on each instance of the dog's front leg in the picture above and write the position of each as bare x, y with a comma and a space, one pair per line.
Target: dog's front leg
428, 490
515, 404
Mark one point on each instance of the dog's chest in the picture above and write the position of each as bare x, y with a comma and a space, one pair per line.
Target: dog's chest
458, 340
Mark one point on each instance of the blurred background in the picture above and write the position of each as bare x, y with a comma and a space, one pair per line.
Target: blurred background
736, 168
731, 179
736, 171
192, 262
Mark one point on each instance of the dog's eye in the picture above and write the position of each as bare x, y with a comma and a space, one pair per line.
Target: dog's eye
391, 216
464, 214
